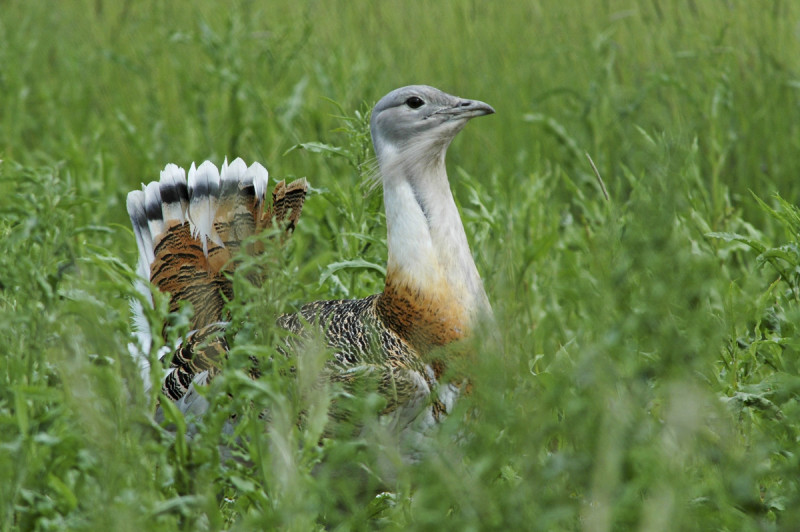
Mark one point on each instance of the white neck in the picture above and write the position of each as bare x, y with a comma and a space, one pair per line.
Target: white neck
428, 249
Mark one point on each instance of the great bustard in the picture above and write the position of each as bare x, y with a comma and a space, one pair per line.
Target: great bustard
187, 234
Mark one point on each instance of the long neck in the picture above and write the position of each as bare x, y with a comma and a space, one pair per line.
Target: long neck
430, 266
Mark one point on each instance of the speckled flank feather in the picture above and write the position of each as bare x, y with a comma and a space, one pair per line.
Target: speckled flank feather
363, 344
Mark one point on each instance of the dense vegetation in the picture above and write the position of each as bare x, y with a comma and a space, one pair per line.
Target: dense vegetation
649, 374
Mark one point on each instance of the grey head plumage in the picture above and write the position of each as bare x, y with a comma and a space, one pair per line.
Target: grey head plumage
418, 122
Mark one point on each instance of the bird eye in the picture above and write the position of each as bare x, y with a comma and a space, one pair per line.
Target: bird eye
415, 102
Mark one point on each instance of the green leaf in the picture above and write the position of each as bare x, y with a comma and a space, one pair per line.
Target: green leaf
733, 237
319, 147
355, 264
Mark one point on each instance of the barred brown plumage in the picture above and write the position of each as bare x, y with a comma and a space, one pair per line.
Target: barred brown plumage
189, 234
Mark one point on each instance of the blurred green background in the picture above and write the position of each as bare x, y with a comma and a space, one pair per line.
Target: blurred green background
649, 378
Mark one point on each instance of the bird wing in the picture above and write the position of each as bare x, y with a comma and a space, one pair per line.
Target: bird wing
366, 352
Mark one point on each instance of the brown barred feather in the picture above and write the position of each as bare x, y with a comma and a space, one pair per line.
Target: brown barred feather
288, 199
201, 350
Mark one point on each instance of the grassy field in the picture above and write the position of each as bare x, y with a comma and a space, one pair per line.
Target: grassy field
649, 378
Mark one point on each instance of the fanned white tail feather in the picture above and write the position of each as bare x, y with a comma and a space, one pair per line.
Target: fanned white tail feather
229, 176
259, 176
173, 183
203, 202
136, 210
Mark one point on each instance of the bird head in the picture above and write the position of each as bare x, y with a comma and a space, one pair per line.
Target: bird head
420, 121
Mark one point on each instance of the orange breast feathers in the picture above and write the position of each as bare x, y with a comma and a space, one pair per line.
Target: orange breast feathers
426, 317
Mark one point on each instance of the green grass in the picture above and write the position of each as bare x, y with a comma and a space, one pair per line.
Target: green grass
649, 378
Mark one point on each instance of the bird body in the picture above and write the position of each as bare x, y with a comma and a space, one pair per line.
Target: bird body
189, 233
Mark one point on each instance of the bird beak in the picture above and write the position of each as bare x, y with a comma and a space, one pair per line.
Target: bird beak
469, 109
464, 110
